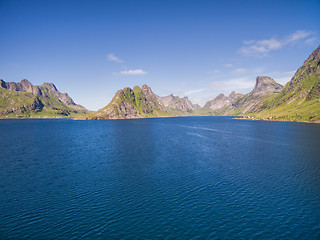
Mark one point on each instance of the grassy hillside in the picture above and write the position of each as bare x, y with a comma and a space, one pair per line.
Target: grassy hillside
134, 103
298, 101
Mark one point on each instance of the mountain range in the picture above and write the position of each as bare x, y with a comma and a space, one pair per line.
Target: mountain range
298, 100
26, 100
143, 103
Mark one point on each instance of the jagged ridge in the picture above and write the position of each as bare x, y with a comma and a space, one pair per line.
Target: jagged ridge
143, 103
23, 99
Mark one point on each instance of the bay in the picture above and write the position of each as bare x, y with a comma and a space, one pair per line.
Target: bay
166, 178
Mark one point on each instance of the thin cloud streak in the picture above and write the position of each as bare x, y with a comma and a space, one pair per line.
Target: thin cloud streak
195, 91
133, 72
263, 47
112, 58
239, 70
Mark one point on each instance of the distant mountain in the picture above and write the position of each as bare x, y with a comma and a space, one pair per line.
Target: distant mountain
177, 103
222, 104
23, 99
143, 103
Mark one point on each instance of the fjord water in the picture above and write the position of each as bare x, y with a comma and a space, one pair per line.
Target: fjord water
169, 178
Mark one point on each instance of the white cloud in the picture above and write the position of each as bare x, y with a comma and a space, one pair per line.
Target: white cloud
243, 83
263, 47
195, 91
298, 35
216, 84
283, 77
133, 72
229, 65
239, 70
112, 58
215, 71
178, 92
201, 100
311, 40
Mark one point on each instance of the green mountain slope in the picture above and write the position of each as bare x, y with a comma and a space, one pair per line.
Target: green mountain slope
300, 98
26, 100
143, 103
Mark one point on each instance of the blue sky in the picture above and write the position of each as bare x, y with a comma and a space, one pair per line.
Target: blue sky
199, 49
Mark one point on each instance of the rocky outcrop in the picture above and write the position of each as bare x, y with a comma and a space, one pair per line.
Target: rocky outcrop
23, 86
233, 96
177, 103
222, 104
266, 85
219, 102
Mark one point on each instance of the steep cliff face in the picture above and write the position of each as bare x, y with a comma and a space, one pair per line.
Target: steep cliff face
265, 85
24, 99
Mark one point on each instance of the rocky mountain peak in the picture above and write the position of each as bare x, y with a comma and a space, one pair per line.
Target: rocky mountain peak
25, 82
51, 87
266, 85
148, 92
222, 101
145, 87
221, 96
26, 85
175, 102
233, 93
219, 102
234, 96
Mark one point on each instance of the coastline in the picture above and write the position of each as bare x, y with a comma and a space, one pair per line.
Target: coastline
273, 120
84, 119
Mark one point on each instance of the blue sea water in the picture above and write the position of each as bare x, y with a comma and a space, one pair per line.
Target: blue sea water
168, 178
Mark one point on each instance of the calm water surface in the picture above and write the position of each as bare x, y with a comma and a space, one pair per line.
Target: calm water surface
170, 178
